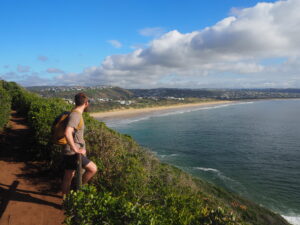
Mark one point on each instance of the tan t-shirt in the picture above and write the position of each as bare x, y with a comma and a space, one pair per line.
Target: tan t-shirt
74, 120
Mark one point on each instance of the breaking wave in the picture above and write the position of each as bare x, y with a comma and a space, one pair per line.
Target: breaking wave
295, 220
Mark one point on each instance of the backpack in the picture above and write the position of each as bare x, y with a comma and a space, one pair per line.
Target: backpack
59, 126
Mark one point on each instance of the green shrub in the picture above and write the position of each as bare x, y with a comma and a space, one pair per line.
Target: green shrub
88, 207
5, 107
41, 114
13, 90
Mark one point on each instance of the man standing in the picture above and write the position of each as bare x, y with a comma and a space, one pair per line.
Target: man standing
76, 145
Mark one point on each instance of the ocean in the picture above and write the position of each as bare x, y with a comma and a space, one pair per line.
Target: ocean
251, 148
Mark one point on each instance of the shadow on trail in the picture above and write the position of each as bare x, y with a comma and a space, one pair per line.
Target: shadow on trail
6, 196
30, 192
10, 192
43, 177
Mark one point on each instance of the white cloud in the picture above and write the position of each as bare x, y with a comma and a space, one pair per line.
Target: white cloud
42, 58
54, 70
115, 43
35, 79
152, 31
23, 69
227, 54
28, 79
11, 76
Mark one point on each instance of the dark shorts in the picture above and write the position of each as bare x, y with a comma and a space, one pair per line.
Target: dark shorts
70, 162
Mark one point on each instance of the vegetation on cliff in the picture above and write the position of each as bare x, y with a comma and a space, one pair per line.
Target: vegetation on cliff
5, 104
132, 185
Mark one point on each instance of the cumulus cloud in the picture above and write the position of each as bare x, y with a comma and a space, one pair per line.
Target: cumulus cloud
35, 79
42, 58
27, 79
115, 43
228, 53
23, 69
11, 76
54, 70
152, 31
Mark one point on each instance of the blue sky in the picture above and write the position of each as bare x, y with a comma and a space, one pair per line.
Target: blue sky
68, 37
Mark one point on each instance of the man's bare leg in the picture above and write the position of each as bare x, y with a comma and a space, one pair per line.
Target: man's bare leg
66, 184
90, 171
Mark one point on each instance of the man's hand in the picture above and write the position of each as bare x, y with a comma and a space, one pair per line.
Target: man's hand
82, 151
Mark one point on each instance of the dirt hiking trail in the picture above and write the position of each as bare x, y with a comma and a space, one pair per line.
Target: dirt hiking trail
27, 195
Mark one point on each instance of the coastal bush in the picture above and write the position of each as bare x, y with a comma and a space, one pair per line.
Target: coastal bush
88, 206
132, 185
13, 90
5, 107
41, 114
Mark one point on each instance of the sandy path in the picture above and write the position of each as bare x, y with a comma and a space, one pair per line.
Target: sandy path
23, 198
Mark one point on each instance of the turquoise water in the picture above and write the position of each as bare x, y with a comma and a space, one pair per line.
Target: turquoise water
251, 148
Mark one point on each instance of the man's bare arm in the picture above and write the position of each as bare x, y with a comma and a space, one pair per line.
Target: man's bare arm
69, 136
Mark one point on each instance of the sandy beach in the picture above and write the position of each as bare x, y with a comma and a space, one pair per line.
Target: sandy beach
128, 113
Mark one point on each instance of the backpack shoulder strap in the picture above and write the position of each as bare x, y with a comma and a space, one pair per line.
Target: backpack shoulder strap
80, 125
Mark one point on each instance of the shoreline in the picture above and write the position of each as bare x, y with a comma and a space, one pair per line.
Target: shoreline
132, 112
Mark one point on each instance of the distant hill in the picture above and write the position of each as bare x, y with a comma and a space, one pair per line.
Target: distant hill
230, 94
95, 92
117, 93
